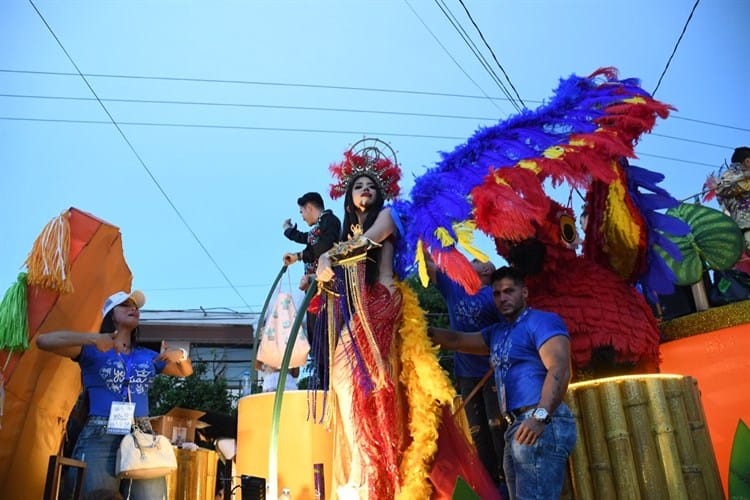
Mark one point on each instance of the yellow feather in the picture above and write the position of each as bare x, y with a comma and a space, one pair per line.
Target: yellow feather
424, 278
529, 165
634, 100
622, 233
465, 234
444, 236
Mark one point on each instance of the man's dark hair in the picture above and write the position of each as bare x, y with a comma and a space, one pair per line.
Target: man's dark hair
741, 154
314, 198
508, 272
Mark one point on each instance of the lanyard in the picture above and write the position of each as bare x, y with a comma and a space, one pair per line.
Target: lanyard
127, 363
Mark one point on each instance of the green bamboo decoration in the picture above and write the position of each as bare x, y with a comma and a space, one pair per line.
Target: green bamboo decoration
273, 451
259, 330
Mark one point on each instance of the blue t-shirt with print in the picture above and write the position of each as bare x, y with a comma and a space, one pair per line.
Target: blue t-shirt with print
107, 376
514, 352
468, 313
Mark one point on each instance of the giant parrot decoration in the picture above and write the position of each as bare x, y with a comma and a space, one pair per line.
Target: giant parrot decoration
495, 182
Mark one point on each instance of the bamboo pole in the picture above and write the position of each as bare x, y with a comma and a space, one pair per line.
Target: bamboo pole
580, 472
599, 463
618, 441
691, 470
665, 440
646, 458
702, 439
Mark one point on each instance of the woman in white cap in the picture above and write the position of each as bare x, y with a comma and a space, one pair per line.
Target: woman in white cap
115, 371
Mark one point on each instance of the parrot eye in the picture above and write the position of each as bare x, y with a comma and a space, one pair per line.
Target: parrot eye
568, 230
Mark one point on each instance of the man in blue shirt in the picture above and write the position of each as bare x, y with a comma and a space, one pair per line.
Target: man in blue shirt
468, 313
531, 357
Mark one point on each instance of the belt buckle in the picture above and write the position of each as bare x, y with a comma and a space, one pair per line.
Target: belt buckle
509, 418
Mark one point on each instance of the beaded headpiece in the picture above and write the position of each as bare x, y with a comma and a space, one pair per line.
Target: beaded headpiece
373, 158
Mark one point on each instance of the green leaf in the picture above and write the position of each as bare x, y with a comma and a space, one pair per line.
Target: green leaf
739, 463
714, 242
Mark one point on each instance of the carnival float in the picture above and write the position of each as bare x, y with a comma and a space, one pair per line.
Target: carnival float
660, 404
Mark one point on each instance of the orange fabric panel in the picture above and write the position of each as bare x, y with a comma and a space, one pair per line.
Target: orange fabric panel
719, 361
44, 387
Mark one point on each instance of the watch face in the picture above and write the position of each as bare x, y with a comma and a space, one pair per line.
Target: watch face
540, 414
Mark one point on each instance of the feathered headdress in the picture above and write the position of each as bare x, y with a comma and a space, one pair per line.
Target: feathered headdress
367, 157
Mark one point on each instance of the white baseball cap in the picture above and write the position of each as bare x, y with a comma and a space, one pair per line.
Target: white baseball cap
120, 297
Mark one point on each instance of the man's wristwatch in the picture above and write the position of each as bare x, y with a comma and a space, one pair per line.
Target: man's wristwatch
541, 415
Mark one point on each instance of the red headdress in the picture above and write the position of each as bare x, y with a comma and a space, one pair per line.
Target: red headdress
366, 157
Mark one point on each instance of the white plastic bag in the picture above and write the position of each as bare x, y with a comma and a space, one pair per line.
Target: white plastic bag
276, 335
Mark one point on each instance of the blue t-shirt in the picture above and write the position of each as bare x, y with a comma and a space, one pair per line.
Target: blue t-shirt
107, 375
514, 352
468, 313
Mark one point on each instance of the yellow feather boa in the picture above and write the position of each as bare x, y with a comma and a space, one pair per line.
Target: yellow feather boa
427, 388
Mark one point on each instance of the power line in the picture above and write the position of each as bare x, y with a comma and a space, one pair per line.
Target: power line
673, 116
281, 129
268, 84
449, 55
475, 50
299, 130
481, 35
714, 124
679, 160
692, 141
246, 105
140, 160
232, 127
674, 50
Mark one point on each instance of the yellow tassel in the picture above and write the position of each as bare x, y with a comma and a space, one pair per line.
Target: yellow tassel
424, 277
427, 388
49, 260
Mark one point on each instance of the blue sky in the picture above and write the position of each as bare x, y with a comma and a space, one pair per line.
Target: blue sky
291, 85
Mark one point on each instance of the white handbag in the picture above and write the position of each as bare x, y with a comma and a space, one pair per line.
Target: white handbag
144, 456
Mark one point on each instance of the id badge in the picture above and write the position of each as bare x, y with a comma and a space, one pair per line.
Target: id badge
120, 417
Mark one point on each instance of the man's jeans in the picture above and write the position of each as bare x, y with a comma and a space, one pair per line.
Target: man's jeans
99, 450
538, 471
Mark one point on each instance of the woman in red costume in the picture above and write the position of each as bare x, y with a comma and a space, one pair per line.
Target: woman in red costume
389, 396
362, 372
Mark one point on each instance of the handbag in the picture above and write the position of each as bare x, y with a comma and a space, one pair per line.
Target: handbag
144, 456
276, 331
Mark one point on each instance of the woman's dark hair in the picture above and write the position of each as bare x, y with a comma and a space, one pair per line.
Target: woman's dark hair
350, 218
108, 326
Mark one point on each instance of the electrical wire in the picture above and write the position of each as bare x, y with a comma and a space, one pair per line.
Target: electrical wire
677, 44
234, 127
673, 116
270, 84
484, 40
138, 156
424, 24
301, 130
254, 106
475, 50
